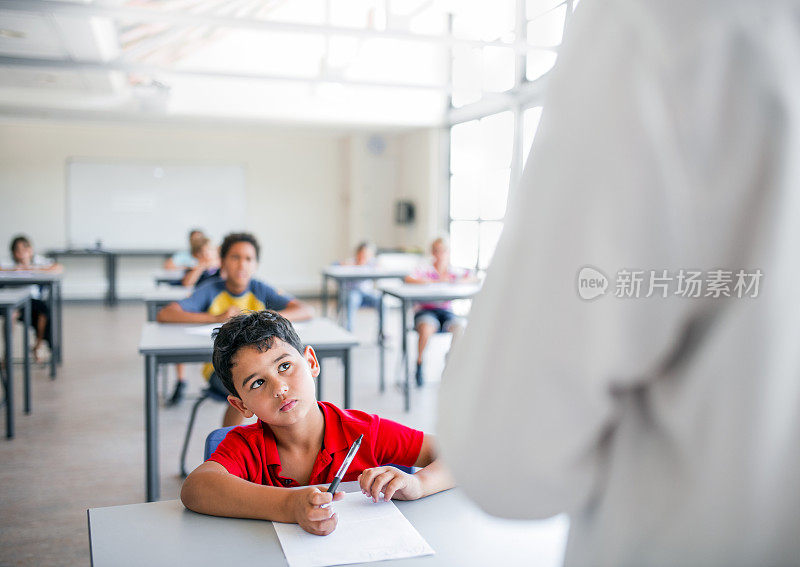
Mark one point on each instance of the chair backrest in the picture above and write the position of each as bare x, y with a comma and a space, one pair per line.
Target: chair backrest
215, 438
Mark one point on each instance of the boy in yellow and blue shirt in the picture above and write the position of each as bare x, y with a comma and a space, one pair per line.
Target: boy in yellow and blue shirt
217, 300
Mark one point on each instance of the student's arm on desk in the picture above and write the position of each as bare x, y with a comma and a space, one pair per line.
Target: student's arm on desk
191, 276
211, 489
394, 483
297, 310
52, 268
174, 313
416, 279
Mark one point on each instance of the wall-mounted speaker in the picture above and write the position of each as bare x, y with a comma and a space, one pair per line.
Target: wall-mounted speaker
404, 212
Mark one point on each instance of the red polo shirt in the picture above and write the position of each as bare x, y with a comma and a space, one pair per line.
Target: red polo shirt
250, 452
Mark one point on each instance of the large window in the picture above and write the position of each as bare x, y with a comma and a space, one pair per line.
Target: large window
489, 149
480, 172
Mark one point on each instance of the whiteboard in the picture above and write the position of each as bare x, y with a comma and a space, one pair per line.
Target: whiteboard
151, 205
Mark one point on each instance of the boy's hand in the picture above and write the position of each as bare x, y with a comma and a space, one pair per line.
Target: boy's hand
306, 511
232, 311
393, 482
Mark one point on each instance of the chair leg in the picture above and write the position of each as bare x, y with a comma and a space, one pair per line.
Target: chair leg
203, 397
164, 375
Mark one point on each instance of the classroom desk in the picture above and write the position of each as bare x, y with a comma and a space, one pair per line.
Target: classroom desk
162, 296
408, 294
52, 282
170, 277
165, 343
110, 258
11, 300
167, 534
342, 274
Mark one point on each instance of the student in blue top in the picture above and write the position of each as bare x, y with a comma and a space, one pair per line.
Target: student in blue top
207, 266
207, 257
184, 258
361, 293
217, 300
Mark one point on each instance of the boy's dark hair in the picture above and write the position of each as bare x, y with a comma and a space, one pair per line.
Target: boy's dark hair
20, 238
257, 329
235, 237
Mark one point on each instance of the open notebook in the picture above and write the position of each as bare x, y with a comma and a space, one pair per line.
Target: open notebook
366, 531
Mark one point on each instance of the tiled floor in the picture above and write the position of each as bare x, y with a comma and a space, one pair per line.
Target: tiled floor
83, 445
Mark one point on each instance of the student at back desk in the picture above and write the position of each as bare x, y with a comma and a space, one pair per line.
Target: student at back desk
218, 300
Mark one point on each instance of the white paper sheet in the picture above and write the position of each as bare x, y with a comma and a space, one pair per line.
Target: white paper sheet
366, 531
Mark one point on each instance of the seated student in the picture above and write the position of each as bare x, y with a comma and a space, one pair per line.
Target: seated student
431, 317
24, 258
218, 300
207, 265
184, 258
298, 441
360, 293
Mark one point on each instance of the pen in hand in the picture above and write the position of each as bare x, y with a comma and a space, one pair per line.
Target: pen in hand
343, 469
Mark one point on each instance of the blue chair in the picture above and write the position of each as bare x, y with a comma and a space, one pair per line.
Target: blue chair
214, 439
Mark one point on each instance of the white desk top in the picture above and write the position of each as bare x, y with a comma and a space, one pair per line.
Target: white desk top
165, 533
165, 338
29, 276
169, 274
168, 293
432, 291
364, 272
13, 297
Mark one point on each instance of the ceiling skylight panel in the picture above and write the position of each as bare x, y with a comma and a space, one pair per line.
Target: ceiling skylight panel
399, 61
303, 12
289, 101
247, 51
365, 14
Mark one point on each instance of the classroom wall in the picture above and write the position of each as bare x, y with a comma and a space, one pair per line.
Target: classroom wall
407, 168
311, 193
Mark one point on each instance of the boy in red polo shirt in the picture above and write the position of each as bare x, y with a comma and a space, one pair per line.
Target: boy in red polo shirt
297, 441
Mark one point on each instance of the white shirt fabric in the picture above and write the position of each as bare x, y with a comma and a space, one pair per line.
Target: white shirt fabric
668, 428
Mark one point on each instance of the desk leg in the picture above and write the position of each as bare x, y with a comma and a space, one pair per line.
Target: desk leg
339, 302
151, 428
346, 364
26, 317
406, 387
381, 345
111, 276
324, 295
55, 324
9, 372
60, 326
